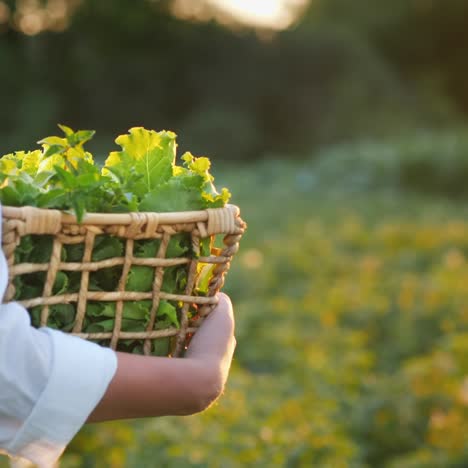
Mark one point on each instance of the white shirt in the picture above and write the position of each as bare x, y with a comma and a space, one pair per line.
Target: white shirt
49, 383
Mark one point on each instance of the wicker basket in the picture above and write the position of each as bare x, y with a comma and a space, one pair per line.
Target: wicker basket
131, 227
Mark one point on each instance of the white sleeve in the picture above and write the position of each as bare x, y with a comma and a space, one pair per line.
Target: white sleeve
50, 382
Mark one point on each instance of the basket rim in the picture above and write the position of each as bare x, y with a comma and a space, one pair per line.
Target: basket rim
173, 217
22, 221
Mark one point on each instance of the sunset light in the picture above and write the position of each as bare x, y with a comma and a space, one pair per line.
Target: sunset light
261, 14
275, 14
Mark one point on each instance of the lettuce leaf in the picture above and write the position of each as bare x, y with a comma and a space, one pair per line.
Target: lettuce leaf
141, 176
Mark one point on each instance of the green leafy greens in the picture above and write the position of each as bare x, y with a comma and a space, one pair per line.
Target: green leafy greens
142, 176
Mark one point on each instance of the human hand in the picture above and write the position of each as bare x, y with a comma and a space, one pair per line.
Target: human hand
145, 386
214, 342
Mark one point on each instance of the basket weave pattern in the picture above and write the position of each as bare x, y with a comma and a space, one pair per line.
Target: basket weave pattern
19, 222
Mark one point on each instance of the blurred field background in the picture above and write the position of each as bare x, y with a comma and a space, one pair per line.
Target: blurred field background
341, 129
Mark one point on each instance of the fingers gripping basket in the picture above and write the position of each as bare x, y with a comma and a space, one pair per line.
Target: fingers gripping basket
130, 228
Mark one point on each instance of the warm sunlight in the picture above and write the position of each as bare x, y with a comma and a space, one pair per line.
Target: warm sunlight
275, 14
264, 14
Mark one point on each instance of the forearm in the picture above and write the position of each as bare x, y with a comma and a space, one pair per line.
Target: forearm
145, 386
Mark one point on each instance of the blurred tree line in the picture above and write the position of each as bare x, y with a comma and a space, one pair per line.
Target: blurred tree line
345, 70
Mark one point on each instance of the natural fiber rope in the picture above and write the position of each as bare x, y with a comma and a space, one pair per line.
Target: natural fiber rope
136, 335
111, 296
25, 268
222, 221
138, 220
184, 322
121, 288
39, 221
231, 243
50, 279
157, 283
83, 296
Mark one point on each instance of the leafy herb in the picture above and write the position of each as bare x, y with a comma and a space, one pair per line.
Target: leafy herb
142, 176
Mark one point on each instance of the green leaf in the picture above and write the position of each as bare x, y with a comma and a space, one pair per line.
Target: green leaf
10, 196
67, 130
74, 281
147, 248
140, 278
62, 315
134, 310
106, 279
87, 180
149, 153
54, 141
160, 347
178, 246
82, 136
47, 164
74, 252
18, 283
169, 312
53, 150
205, 273
19, 191
43, 179
174, 279
205, 247
8, 167
35, 314
107, 247
178, 194
60, 284
213, 199
104, 326
41, 249
199, 166
24, 161
30, 163
24, 249
66, 177
55, 198
137, 310
78, 205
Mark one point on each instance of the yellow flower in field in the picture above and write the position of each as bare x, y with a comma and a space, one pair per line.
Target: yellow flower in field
427, 238
407, 295
446, 430
116, 457
266, 434
447, 326
464, 314
456, 231
454, 259
463, 392
328, 318
315, 357
370, 264
433, 298
438, 419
